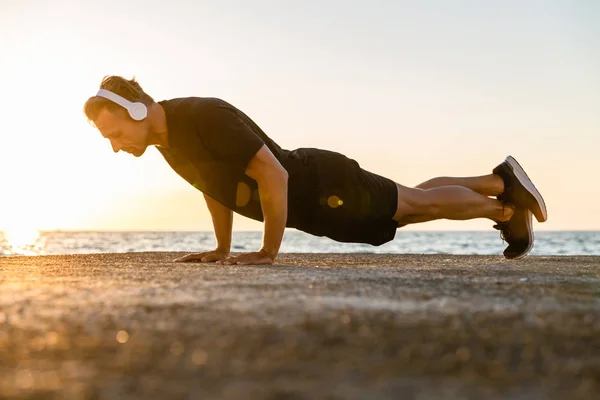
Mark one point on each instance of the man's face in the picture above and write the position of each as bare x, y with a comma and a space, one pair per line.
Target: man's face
123, 132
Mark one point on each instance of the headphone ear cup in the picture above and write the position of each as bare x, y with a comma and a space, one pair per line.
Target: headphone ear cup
138, 111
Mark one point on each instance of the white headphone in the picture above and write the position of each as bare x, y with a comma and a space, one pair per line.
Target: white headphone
137, 111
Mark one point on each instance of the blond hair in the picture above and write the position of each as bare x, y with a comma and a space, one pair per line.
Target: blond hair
128, 89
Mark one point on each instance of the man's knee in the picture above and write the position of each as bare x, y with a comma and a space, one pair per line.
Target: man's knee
416, 205
421, 201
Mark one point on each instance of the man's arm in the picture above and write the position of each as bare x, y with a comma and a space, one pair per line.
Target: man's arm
272, 181
222, 218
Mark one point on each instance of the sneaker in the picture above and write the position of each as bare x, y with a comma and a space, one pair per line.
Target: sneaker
518, 233
519, 190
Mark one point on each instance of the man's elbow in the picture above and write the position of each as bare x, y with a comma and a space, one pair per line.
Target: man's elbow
276, 174
274, 181
280, 178
284, 174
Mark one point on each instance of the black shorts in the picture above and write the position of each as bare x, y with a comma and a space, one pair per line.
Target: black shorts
346, 203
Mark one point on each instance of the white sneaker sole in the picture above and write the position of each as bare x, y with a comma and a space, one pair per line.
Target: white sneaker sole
540, 213
531, 237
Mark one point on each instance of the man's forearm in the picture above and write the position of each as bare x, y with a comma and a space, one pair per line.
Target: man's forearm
222, 218
274, 203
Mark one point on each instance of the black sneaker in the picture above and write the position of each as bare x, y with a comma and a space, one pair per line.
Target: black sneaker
519, 190
518, 233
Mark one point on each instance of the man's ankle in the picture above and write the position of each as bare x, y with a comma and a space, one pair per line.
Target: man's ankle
498, 184
506, 213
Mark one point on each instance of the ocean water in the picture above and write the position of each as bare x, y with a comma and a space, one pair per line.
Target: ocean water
487, 243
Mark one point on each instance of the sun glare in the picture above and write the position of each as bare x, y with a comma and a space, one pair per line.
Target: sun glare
22, 241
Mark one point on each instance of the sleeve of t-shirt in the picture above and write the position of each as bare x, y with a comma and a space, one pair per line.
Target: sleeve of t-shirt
229, 138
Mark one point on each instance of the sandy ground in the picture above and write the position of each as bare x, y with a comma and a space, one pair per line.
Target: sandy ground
314, 326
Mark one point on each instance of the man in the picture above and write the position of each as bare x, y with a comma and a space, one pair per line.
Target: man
223, 153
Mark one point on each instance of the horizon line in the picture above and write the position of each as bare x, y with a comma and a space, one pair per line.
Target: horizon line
260, 231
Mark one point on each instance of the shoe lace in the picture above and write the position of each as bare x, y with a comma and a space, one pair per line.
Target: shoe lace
503, 228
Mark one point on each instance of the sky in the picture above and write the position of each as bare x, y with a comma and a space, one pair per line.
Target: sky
411, 90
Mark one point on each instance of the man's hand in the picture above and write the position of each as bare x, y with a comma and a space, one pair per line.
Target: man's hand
256, 258
207, 256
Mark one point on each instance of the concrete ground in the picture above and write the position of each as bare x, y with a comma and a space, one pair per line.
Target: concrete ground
314, 326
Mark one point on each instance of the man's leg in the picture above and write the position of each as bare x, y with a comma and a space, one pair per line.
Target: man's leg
447, 202
466, 198
488, 185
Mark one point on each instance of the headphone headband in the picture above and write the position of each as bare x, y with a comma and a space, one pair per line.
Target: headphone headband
137, 111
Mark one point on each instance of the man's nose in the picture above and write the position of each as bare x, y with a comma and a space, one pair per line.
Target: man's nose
115, 146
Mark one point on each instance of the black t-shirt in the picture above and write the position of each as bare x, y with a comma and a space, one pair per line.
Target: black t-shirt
210, 145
